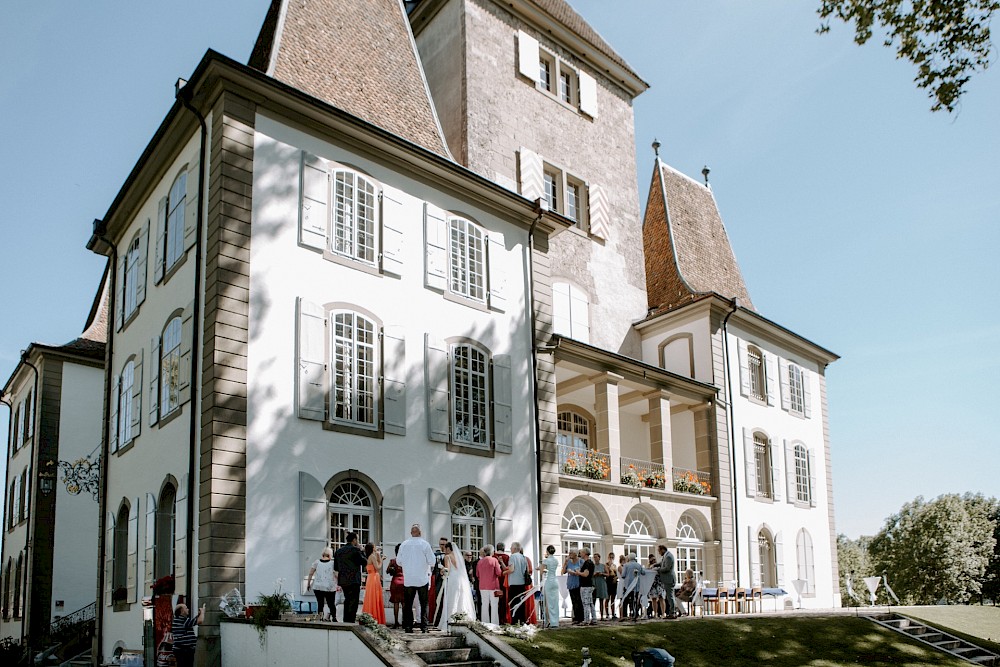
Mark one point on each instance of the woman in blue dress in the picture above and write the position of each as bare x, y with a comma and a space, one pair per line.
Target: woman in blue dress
550, 566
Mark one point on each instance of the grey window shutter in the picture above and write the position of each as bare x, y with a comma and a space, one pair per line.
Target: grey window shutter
187, 333
394, 514
140, 272
394, 379
503, 427
191, 203
310, 363
775, 458
109, 558
161, 241
314, 203
779, 559
790, 489
811, 460
806, 394
120, 292
786, 402
150, 540
393, 223
527, 55
132, 566
440, 512
530, 166
116, 390
436, 247
600, 214
438, 405
30, 412
314, 525
180, 534
136, 421
588, 95
771, 370
751, 462
154, 380
496, 261
741, 346
754, 549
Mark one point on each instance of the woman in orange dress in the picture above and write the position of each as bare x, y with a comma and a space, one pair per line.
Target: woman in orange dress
373, 603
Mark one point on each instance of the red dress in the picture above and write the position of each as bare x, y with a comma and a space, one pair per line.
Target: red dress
373, 595
396, 590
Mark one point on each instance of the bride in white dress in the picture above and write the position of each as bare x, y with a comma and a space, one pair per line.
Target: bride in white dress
456, 595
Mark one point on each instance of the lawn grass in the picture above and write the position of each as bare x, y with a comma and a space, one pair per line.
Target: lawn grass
975, 623
779, 641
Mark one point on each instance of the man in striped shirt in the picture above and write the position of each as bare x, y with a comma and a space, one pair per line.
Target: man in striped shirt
185, 640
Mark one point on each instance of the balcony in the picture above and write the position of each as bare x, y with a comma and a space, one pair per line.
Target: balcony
579, 462
640, 474
692, 481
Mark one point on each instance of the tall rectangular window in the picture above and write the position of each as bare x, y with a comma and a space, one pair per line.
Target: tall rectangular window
170, 367
468, 259
796, 392
125, 406
175, 219
354, 216
132, 278
545, 67
354, 378
552, 182
802, 490
470, 395
762, 459
755, 365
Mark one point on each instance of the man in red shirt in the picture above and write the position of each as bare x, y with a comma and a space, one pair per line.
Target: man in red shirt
489, 572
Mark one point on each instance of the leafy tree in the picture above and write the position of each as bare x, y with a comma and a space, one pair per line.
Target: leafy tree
937, 550
948, 40
853, 562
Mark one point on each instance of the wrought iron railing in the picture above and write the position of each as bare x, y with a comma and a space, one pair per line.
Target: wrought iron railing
78, 617
692, 481
580, 462
642, 474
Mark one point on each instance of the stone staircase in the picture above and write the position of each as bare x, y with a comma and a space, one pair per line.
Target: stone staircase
445, 650
937, 638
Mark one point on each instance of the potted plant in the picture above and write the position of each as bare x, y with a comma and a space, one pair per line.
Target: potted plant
269, 608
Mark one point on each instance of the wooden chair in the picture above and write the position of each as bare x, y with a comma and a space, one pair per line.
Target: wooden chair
740, 600
720, 604
756, 599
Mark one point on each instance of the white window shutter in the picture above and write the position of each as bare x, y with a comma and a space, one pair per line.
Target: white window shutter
394, 382
532, 176
314, 203
393, 225
527, 55
150, 541
771, 370
136, 420
811, 460
806, 394
314, 525
579, 314
436, 359
754, 549
496, 261
154, 380
109, 558
191, 203
140, 272
436, 247
741, 346
600, 215
751, 462
161, 241
790, 488
180, 534
187, 333
310, 375
775, 458
561, 322
116, 389
503, 399
30, 412
588, 94
120, 291
786, 400
132, 565
779, 559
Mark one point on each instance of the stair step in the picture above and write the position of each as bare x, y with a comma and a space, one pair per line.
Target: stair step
448, 655
471, 663
948, 644
419, 643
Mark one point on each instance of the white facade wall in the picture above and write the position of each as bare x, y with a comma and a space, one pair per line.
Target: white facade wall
15, 534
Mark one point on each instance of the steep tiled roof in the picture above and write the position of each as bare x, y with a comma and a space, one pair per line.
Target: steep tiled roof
687, 248
357, 55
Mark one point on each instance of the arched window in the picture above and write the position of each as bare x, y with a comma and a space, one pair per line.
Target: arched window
690, 547
126, 391
758, 379
580, 528
803, 492
175, 220
170, 367
469, 521
119, 570
470, 395
570, 311
763, 463
639, 534
806, 565
467, 251
352, 511
355, 379
166, 522
354, 216
768, 574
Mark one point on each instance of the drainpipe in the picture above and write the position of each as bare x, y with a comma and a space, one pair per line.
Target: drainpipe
732, 437
33, 467
184, 96
530, 300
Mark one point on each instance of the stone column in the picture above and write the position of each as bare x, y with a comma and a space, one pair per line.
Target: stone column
608, 426
660, 443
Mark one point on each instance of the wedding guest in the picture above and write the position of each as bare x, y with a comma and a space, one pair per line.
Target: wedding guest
504, 559
324, 585
477, 595
587, 587
436, 585
396, 589
630, 574
623, 612
687, 590
655, 591
489, 572
600, 587
417, 559
348, 562
185, 640
611, 577
550, 588
518, 573
374, 604
668, 578
571, 568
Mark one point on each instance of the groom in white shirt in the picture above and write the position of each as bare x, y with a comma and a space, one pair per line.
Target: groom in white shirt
416, 558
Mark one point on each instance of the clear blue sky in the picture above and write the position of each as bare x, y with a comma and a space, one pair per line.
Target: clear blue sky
860, 219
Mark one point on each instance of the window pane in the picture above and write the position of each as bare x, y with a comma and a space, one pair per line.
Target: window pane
468, 260
175, 220
552, 190
470, 395
354, 381
755, 365
565, 87
170, 367
763, 462
573, 202
125, 404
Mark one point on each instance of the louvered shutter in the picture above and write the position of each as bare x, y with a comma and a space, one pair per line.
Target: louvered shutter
132, 564
154, 380
116, 389
394, 383
136, 417
779, 559
527, 56
496, 261
187, 333
771, 370
600, 215
140, 270
436, 247
180, 534
810, 458
438, 406
440, 512
806, 394
753, 548
751, 462
774, 454
394, 515
741, 346
161, 240
150, 541
314, 525
310, 364
191, 202
503, 427
314, 207
588, 95
109, 558
786, 397
532, 178
120, 292
30, 411
791, 489
393, 225
561, 313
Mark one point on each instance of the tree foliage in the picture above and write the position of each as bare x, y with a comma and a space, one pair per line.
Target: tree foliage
853, 562
947, 40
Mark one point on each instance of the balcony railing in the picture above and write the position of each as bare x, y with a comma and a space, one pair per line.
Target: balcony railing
692, 481
642, 474
580, 462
